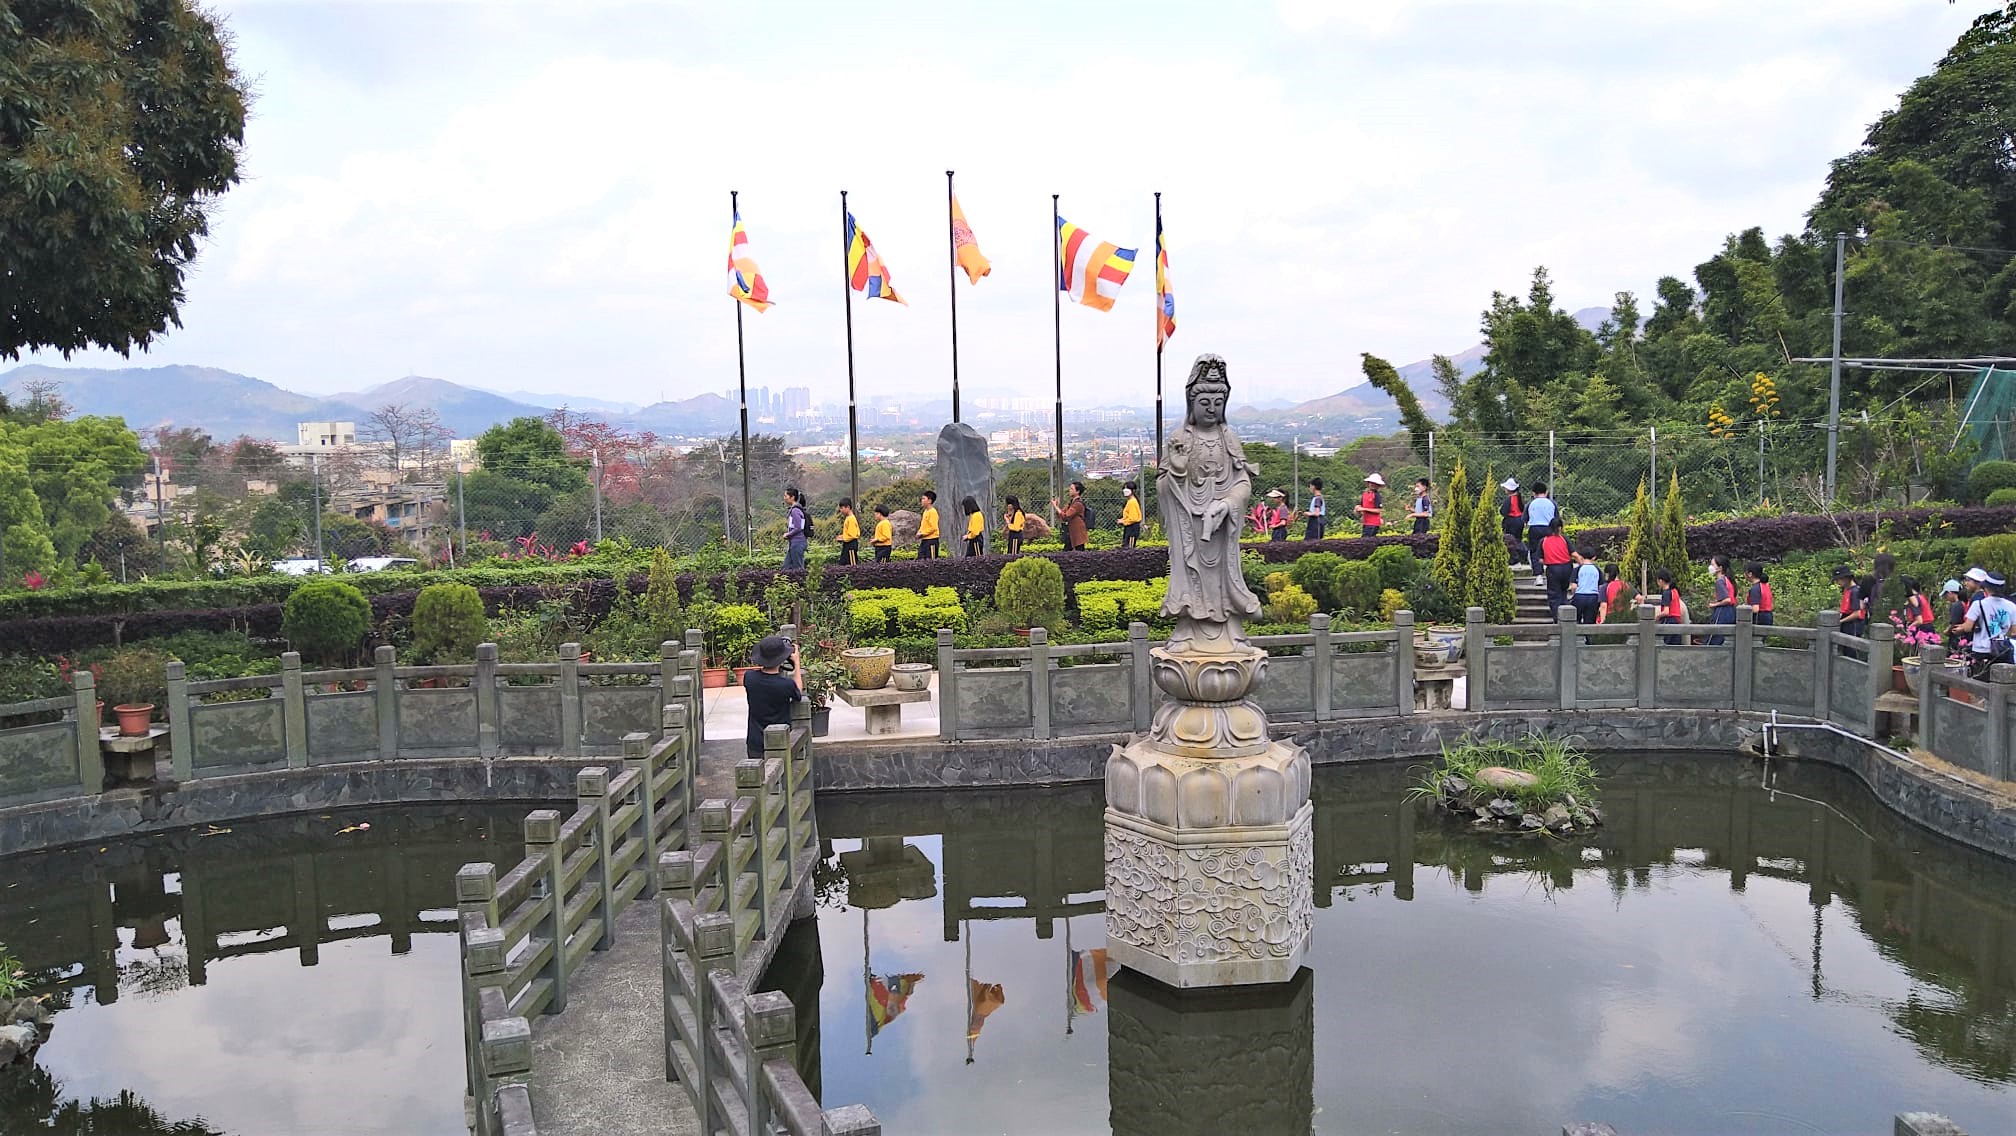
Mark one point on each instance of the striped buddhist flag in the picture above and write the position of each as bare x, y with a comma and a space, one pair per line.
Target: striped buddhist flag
745, 280
866, 273
965, 249
1165, 300
1091, 270
888, 997
1088, 973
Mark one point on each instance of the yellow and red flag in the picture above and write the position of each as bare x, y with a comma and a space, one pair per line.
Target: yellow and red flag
1165, 297
965, 249
866, 273
1091, 270
745, 280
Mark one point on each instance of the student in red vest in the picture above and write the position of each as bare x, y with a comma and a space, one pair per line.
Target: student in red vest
1613, 593
1555, 558
1369, 515
1917, 607
1760, 601
1666, 597
1721, 596
1854, 601
1512, 517
1277, 515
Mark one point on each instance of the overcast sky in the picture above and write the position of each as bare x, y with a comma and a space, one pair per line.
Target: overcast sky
535, 197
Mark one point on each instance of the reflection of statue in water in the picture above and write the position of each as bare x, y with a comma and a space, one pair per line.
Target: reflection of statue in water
1204, 486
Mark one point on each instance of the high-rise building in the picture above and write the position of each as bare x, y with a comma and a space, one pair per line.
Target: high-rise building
796, 403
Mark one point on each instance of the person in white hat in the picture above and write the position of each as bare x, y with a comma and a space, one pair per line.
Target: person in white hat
1367, 508
1277, 515
1990, 618
1512, 518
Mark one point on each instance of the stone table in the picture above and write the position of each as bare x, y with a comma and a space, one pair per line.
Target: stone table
1435, 686
882, 708
129, 757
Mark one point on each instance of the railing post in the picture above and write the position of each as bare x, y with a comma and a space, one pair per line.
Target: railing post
637, 759
850, 1120
181, 737
293, 710
484, 685
507, 1056
591, 791
1882, 643
1039, 683
674, 717
542, 835
570, 699
691, 657
714, 830
1931, 661
777, 748
668, 669
771, 1025
482, 966
1743, 665
2000, 676
1648, 657
476, 891
1567, 654
749, 787
1824, 627
385, 690
1473, 654
1403, 662
713, 950
1319, 666
1141, 680
90, 758
948, 678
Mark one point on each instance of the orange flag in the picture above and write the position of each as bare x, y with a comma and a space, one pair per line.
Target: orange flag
965, 249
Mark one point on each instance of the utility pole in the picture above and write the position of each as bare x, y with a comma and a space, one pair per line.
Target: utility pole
595, 459
160, 511
315, 465
461, 510
727, 530
1834, 379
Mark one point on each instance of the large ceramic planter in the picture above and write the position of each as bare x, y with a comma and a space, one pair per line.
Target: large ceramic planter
1444, 645
868, 667
1910, 666
910, 676
135, 718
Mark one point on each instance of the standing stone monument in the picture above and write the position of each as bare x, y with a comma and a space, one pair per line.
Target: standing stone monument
1209, 852
963, 468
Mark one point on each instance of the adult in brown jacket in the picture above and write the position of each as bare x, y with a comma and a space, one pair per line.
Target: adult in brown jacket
1072, 513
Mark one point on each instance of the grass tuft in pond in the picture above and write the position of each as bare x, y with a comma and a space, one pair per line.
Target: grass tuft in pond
1536, 784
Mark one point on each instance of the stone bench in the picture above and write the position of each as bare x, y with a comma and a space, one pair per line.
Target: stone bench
129, 757
1435, 687
882, 708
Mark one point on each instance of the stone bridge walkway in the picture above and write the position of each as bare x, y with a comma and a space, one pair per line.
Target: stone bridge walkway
598, 1069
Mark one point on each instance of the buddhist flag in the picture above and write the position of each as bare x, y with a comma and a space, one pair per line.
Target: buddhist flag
965, 249
1092, 270
866, 273
888, 997
1165, 300
1088, 973
983, 998
745, 280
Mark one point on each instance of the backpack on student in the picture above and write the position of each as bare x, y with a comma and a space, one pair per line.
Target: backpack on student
2000, 616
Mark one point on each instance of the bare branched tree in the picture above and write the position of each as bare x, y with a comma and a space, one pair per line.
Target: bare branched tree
407, 435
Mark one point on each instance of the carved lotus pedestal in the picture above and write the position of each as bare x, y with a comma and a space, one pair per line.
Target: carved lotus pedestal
1209, 852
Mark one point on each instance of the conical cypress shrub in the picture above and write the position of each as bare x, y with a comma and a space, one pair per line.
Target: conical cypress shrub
1451, 569
1490, 582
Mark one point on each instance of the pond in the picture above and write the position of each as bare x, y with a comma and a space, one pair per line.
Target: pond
281, 976
1721, 957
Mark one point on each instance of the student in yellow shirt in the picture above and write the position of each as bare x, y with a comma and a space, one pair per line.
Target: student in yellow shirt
927, 526
884, 540
1130, 516
850, 533
1013, 519
976, 527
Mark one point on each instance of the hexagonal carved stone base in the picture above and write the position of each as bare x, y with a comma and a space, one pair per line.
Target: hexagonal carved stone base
1221, 906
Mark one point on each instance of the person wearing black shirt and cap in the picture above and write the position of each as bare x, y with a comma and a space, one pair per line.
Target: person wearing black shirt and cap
769, 691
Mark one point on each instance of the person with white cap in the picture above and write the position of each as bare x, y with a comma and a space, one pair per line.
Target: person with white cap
1367, 508
1512, 517
1987, 623
1956, 611
1277, 515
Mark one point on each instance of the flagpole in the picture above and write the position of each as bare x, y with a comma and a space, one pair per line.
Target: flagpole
742, 398
1070, 980
1057, 334
966, 933
853, 419
1158, 329
952, 278
867, 988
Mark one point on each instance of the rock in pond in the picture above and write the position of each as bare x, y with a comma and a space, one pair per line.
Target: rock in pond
1504, 809
1504, 778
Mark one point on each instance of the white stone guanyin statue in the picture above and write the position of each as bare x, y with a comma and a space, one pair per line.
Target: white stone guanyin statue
1204, 486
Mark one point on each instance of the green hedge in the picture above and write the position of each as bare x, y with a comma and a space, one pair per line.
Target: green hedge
880, 613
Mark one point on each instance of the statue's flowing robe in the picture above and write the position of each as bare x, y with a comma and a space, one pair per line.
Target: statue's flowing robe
1200, 466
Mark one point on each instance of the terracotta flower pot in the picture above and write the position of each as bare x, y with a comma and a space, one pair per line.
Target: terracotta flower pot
134, 718
713, 678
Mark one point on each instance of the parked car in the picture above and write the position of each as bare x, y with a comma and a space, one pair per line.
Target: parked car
381, 563
300, 566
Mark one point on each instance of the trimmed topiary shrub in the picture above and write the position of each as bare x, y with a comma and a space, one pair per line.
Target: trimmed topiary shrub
1391, 600
1289, 605
1316, 573
447, 623
1451, 567
1995, 553
325, 619
1987, 477
735, 629
1396, 564
1030, 591
1357, 584
2001, 497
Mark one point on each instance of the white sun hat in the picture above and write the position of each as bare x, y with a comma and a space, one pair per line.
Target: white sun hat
1375, 479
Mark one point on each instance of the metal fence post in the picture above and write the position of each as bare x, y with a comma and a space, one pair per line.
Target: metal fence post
293, 710
1319, 666
948, 682
1648, 658
570, 699
385, 688
1568, 670
1039, 683
1403, 662
1473, 652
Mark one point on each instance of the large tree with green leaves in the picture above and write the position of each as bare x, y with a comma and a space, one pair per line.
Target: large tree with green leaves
120, 124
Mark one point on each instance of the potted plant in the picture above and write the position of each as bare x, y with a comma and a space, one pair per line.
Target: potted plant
868, 667
823, 676
1438, 620
1909, 641
67, 671
135, 682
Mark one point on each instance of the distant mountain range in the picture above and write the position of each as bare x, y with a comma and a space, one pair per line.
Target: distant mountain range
228, 405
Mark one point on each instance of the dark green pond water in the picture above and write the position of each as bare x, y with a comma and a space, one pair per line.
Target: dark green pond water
279, 977
1720, 959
